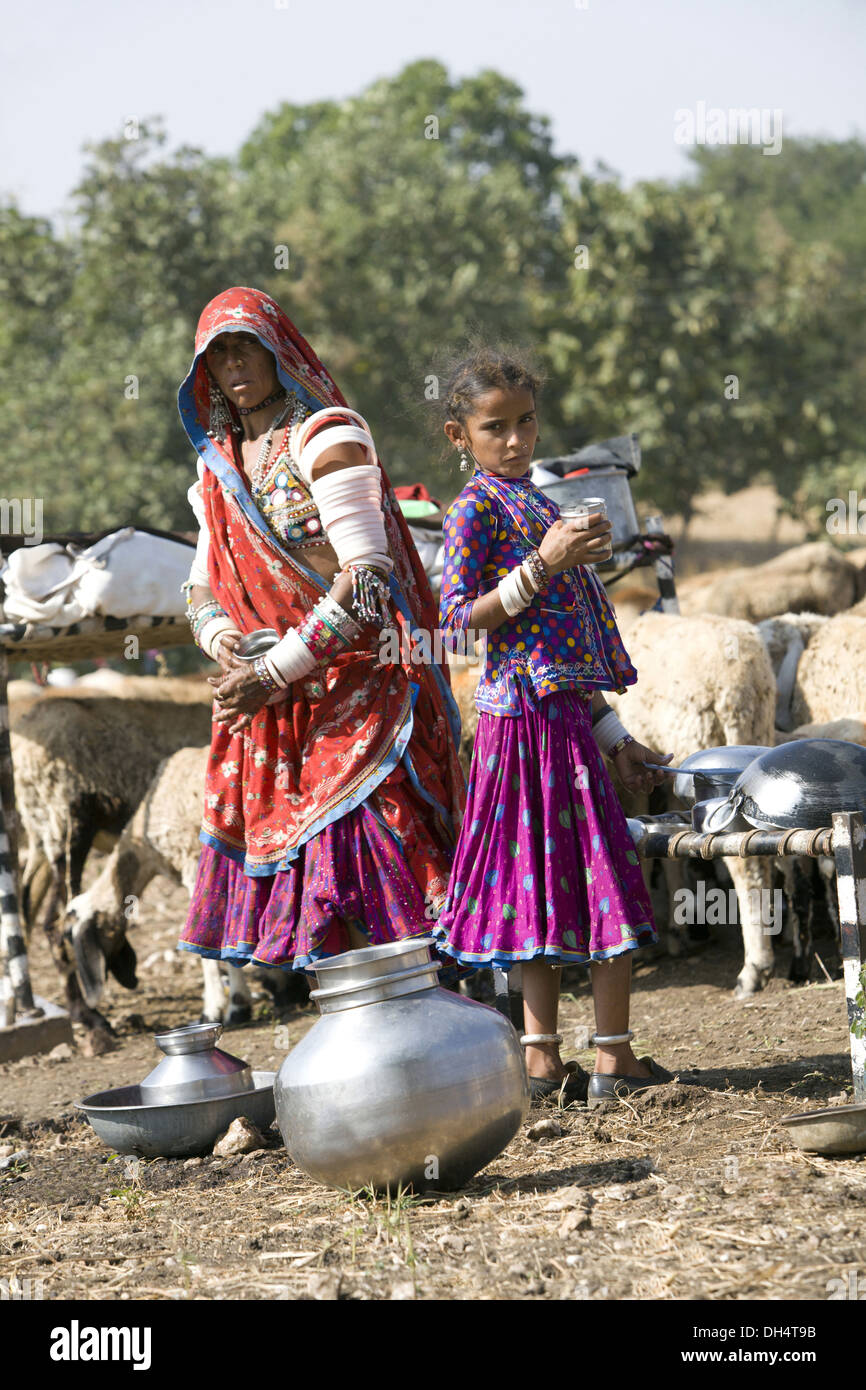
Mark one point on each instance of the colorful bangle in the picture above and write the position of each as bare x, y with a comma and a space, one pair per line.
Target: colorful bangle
620, 744
199, 617
338, 618
538, 571
265, 676
322, 639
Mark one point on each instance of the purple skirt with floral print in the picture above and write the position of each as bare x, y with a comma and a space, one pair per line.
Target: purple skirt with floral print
545, 865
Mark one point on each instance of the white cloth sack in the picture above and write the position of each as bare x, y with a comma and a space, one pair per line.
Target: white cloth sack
124, 575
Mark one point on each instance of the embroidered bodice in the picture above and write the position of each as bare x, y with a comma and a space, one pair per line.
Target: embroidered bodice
285, 502
566, 639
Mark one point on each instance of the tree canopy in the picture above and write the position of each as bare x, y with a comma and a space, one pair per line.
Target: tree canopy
719, 316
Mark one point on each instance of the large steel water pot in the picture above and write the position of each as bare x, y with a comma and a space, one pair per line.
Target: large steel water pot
399, 1081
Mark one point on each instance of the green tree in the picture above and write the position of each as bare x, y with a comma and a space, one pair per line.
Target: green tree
414, 214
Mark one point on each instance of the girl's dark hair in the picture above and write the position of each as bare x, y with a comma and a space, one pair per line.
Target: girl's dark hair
485, 369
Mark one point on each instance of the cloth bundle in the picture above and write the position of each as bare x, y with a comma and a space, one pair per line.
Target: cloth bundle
127, 574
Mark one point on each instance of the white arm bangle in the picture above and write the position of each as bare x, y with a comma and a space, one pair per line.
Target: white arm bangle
291, 659
198, 574
349, 503
326, 439
301, 432
608, 731
515, 592
213, 633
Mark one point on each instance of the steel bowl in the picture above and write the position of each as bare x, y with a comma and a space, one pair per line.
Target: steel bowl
839, 1130
799, 785
126, 1123
708, 773
254, 644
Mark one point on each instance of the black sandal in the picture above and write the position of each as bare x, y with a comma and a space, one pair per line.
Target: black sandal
613, 1086
571, 1090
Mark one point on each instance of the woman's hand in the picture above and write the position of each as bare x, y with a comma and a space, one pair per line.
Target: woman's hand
239, 694
630, 766
225, 651
564, 546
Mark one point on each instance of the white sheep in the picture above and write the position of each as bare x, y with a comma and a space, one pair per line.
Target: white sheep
705, 682
831, 674
814, 578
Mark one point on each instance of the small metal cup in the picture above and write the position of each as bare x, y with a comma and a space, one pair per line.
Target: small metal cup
255, 644
580, 512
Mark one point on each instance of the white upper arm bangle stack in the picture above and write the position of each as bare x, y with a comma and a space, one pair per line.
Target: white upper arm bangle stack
349, 503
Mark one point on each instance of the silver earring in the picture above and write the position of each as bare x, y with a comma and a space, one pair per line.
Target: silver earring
465, 465
220, 420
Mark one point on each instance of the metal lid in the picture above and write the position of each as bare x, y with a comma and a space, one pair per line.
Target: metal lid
375, 973
194, 1068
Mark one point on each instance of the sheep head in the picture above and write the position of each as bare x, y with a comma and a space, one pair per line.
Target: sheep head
100, 944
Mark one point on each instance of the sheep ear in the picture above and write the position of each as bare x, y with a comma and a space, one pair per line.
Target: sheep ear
90, 962
122, 965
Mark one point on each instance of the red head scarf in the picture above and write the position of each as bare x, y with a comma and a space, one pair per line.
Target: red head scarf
309, 760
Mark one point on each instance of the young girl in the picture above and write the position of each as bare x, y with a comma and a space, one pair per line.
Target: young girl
545, 873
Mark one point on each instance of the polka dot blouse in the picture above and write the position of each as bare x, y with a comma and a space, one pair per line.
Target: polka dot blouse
566, 639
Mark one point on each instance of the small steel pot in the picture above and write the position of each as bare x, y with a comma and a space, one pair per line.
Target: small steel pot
194, 1068
255, 644
715, 766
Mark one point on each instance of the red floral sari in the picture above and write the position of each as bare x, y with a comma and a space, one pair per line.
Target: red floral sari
360, 748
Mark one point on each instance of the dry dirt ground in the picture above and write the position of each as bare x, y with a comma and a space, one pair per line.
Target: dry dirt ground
693, 1192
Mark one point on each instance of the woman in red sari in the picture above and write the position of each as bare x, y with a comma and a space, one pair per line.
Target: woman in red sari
333, 793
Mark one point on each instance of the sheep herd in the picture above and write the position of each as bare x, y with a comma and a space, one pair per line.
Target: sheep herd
756, 656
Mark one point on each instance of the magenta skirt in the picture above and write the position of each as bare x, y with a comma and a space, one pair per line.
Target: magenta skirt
545, 865
353, 872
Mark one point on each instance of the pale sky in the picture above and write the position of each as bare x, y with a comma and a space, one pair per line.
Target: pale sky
609, 73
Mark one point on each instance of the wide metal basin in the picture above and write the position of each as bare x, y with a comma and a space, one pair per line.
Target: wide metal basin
126, 1124
841, 1129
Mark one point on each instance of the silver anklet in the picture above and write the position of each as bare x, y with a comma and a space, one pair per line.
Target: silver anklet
601, 1041
530, 1039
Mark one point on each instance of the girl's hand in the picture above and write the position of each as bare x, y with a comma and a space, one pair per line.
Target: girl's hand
630, 766
239, 694
564, 546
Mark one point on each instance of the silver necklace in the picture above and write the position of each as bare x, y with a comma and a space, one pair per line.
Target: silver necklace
259, 468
